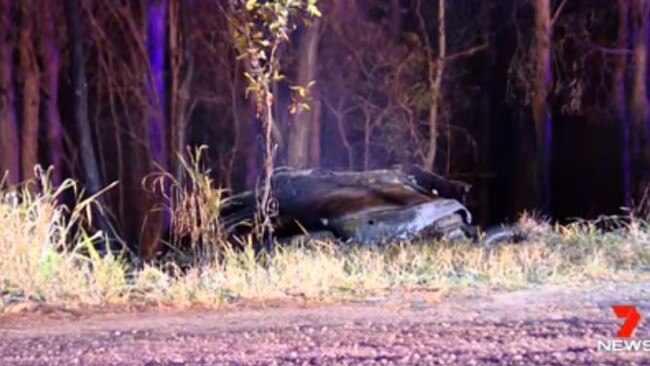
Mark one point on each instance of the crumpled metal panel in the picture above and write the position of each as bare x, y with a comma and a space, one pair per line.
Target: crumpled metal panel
390, 224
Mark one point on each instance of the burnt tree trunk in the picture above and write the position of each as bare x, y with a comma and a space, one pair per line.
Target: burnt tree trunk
51, 69
30, 73
435, 72
620, 99
9, 147
486, 113
639, 100
541, 113
89, 166
182, 67
299, 135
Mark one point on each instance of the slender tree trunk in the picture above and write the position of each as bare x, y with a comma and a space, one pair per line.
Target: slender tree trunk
9, 148
298, 153
89, 166
315, 134
436, 71
541, 113
486, 115
258, 138
51, 68
367, 133
639, 100
620, 99
182, 67
338, 112
31, 89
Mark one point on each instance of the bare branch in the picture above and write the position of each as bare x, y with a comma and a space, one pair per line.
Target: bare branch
467, 52
558, 11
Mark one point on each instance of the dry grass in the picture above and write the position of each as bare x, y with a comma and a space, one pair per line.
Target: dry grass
46, 258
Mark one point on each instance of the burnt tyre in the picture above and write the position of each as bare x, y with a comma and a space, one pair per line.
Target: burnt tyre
504, 234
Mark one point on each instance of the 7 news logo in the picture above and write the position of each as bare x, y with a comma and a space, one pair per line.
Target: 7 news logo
625, 343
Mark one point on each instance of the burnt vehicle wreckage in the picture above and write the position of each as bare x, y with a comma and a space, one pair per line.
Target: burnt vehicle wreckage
370, 208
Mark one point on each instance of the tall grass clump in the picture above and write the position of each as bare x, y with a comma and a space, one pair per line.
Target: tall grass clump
195, 204
46, 254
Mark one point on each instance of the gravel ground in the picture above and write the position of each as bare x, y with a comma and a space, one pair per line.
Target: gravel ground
544, 326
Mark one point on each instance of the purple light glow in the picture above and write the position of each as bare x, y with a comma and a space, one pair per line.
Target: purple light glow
157, 14
156, 41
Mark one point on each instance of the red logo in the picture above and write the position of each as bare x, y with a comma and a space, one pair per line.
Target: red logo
632, 319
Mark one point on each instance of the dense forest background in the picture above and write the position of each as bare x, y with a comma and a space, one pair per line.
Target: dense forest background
542, 105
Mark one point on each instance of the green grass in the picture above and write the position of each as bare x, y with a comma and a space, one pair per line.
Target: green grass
45, 258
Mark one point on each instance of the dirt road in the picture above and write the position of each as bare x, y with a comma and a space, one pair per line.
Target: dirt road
544, 326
